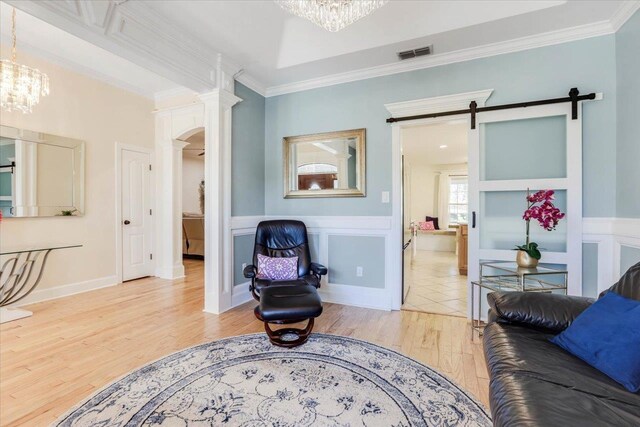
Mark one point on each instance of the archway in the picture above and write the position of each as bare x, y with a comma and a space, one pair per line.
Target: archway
210, 113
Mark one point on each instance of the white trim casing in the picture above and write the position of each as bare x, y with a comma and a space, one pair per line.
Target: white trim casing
459, 101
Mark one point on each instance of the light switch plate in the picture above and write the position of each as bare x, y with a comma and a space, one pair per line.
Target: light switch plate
385, 197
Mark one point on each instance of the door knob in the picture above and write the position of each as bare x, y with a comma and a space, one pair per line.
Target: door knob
127, 222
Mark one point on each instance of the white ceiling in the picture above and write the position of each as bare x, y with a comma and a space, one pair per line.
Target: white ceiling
277, 48
41, 39
279, 51
422, 144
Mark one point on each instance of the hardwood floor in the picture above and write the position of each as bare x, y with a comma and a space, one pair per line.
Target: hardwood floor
73, 346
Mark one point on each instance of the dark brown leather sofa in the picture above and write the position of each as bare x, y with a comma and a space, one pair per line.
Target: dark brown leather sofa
534, 382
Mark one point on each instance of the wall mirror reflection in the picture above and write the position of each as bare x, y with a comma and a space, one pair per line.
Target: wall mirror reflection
40, 174
328, 164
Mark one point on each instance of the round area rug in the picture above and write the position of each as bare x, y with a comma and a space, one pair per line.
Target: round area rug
246, 381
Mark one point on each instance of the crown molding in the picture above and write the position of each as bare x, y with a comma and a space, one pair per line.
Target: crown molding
252, 83
623, 14
175, 92
459, 101
136, 33
524, 43
81, 69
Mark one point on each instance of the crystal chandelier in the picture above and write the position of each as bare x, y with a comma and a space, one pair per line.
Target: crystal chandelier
332, 15
20, 86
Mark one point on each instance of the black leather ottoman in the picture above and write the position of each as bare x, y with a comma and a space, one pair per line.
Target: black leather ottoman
288, 304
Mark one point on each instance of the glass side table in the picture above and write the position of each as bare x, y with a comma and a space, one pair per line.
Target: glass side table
507, 276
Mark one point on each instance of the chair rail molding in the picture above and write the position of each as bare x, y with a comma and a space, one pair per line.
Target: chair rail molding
212, 113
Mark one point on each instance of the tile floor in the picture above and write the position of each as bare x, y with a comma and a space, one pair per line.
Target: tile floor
435, 285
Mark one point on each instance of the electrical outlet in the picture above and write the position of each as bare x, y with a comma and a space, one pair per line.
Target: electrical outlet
385, 197
359, 271
244, 265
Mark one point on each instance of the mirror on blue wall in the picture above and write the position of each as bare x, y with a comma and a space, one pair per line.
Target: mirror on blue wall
328, 164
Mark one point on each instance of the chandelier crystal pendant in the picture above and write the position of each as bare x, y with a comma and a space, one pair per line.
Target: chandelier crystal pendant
332, 15
20, 86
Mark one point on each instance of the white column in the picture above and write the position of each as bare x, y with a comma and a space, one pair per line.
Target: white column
168, 245
217, 176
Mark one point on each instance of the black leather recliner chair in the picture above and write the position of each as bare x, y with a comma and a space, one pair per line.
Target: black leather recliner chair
536, 383
283, 238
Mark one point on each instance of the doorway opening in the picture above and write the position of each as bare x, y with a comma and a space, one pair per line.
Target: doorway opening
193, 203
435, 217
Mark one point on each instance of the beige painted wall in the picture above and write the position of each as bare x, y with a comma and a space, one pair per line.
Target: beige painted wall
101, 115
424, 187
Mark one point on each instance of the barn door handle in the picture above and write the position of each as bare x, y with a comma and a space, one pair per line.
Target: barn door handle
473, 219
127, 222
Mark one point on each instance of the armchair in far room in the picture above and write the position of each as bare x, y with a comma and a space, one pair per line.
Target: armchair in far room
283, 239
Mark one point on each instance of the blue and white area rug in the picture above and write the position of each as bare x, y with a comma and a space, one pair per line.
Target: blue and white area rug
246, 381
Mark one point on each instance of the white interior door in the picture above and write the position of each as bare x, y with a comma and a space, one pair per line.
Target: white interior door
137, 259
512, 150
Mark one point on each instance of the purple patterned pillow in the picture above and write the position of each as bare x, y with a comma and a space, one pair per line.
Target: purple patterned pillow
277, 268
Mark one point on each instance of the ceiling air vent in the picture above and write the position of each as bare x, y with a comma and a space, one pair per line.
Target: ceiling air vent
414, 53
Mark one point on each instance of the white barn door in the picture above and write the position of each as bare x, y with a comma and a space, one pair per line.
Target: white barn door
512, 150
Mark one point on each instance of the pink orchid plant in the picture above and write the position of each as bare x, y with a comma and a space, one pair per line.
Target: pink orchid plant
540, 207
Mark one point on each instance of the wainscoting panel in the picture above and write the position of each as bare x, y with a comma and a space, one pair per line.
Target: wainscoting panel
618, 243
242, 254
341, 244
590, 269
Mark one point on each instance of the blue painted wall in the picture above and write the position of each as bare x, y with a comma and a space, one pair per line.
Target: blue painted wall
247, 171
628, 125
629, 256
546, 72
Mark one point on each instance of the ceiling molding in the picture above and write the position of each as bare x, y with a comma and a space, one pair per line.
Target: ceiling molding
136, 33
252, 83
176, 92
459, 101
83, 70
500, 48
624, 13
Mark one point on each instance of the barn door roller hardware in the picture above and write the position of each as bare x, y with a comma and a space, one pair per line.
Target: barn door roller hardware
574, 97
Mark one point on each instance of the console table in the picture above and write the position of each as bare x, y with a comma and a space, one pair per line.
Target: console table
20, 274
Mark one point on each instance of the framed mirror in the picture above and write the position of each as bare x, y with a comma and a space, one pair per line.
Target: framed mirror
328, 164
40, 174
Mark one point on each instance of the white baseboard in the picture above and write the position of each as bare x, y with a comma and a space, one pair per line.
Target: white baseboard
40, 295
240, 294
357, 296
171, 272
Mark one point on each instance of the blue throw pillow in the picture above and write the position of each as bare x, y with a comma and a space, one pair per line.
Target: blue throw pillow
607, 336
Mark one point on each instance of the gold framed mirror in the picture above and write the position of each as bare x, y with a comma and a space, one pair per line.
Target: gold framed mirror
330, 164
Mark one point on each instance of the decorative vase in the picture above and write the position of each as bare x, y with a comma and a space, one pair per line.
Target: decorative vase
524, 260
